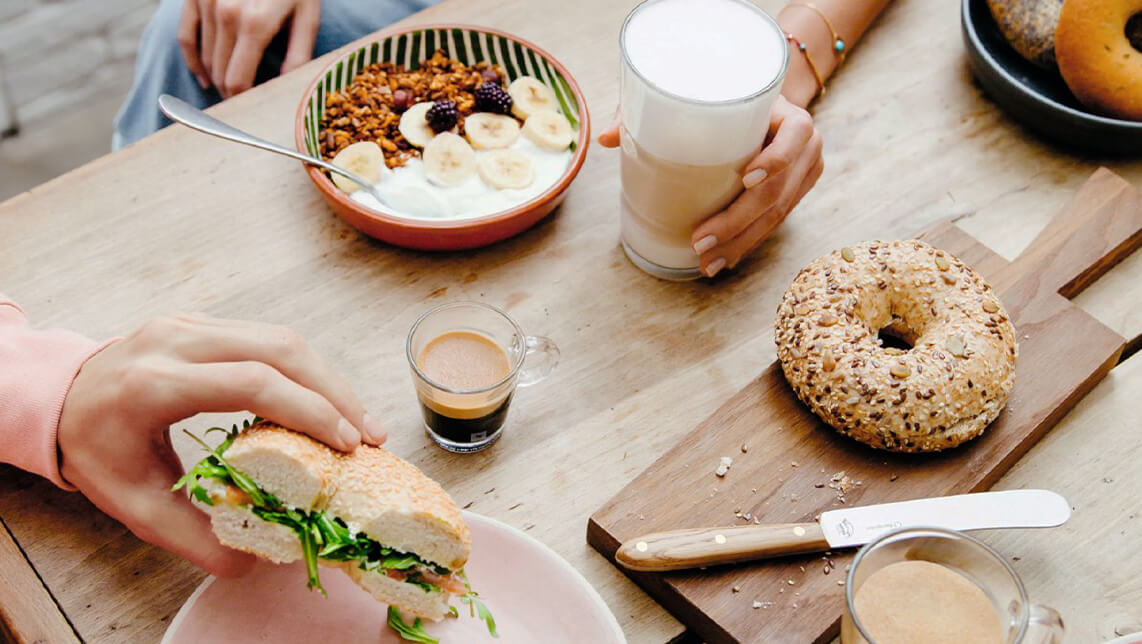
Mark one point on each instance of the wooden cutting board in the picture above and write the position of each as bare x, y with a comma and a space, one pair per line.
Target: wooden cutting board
792, 457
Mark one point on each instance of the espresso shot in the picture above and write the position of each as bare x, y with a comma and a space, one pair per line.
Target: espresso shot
467, 358
465, 361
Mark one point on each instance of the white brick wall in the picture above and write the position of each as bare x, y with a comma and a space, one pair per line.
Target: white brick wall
55, 54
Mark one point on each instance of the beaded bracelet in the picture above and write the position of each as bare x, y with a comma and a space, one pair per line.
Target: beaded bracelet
808, 59
839, 46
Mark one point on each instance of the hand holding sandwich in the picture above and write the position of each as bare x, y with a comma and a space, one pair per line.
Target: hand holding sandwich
113, 431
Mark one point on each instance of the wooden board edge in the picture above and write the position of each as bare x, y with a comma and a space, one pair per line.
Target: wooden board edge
28, 611
675, 603
1060, 412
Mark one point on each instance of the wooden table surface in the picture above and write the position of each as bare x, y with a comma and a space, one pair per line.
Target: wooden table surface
185, 222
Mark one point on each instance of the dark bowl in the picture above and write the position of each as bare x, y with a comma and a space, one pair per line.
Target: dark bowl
1036, 97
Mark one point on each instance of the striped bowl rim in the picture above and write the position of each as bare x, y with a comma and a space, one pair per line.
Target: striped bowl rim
567, 91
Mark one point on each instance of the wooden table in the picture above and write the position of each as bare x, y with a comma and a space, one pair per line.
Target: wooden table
185, 222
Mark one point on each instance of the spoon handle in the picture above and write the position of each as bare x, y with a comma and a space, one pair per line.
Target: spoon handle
179, 110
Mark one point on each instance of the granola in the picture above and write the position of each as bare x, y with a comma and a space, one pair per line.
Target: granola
369, 109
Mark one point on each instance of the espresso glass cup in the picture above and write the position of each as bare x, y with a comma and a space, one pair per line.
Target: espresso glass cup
1024, 622
682, 156
470, 420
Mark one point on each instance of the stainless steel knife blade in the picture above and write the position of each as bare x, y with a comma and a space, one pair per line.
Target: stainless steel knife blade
977, 511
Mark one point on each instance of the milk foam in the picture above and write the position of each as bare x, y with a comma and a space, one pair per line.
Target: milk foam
691, 77
707, 50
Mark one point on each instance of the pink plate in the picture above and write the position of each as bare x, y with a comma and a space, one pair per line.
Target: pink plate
534, 594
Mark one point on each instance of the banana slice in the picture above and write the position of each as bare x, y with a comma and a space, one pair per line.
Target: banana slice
364, 159
489, 131
549, 130
529, 96
448, 159
414, 125
506, 169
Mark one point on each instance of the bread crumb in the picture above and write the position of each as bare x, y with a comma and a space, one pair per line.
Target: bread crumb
724, 466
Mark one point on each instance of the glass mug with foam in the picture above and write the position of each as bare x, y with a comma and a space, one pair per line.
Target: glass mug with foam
699, 78
931, 584
467, 358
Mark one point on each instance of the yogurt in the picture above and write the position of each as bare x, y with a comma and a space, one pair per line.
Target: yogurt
409, 193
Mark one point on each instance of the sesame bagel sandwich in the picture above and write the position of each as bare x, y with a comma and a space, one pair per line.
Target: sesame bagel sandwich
283, 496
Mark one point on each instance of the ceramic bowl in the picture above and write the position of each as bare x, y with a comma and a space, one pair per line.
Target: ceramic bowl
470, 45
1038, 98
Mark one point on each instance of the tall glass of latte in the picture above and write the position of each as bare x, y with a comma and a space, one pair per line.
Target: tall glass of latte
698, 80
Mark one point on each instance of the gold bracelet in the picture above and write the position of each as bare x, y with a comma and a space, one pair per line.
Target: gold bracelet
840, 48
808, 59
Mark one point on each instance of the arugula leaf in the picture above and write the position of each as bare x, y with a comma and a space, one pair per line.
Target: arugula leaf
473, 601
414, 633
399, 562
424, 585
201, 494
309, 549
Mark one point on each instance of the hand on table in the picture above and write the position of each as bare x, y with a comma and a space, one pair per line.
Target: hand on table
114, 438
775, 181
223, 40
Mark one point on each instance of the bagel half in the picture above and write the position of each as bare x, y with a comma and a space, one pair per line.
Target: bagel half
283, 496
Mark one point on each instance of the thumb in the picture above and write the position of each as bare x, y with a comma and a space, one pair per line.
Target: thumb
169, 520
609, 138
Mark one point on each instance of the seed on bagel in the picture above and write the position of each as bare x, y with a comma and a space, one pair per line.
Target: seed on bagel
900, 370
942, 262
990, 307
827, 362
847, 253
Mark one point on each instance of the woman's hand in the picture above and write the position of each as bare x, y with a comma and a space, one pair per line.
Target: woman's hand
775, 181
223, 41
114, 436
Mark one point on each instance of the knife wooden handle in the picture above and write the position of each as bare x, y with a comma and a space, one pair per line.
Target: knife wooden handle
681, 549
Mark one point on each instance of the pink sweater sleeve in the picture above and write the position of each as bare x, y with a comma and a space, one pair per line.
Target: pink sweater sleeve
37, 368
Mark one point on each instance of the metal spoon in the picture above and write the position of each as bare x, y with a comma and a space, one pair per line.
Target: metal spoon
181, 111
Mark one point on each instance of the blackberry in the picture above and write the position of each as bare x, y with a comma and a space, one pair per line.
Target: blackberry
491, 97
442, 116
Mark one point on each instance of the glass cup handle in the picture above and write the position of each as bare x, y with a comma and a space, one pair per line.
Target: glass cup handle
1045, 626
540, 358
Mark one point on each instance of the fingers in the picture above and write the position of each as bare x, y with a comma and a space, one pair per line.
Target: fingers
792, 127
170, 521
253, 38
181, 390
188, 42
795, 139
228, 14
609, 138
207, 340
302, 35
724, 239
206, 43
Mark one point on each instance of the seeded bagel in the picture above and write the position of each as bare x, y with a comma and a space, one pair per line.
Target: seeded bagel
1029, 26
943, 391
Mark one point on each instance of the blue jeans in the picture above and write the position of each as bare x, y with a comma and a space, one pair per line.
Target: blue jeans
160, 68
